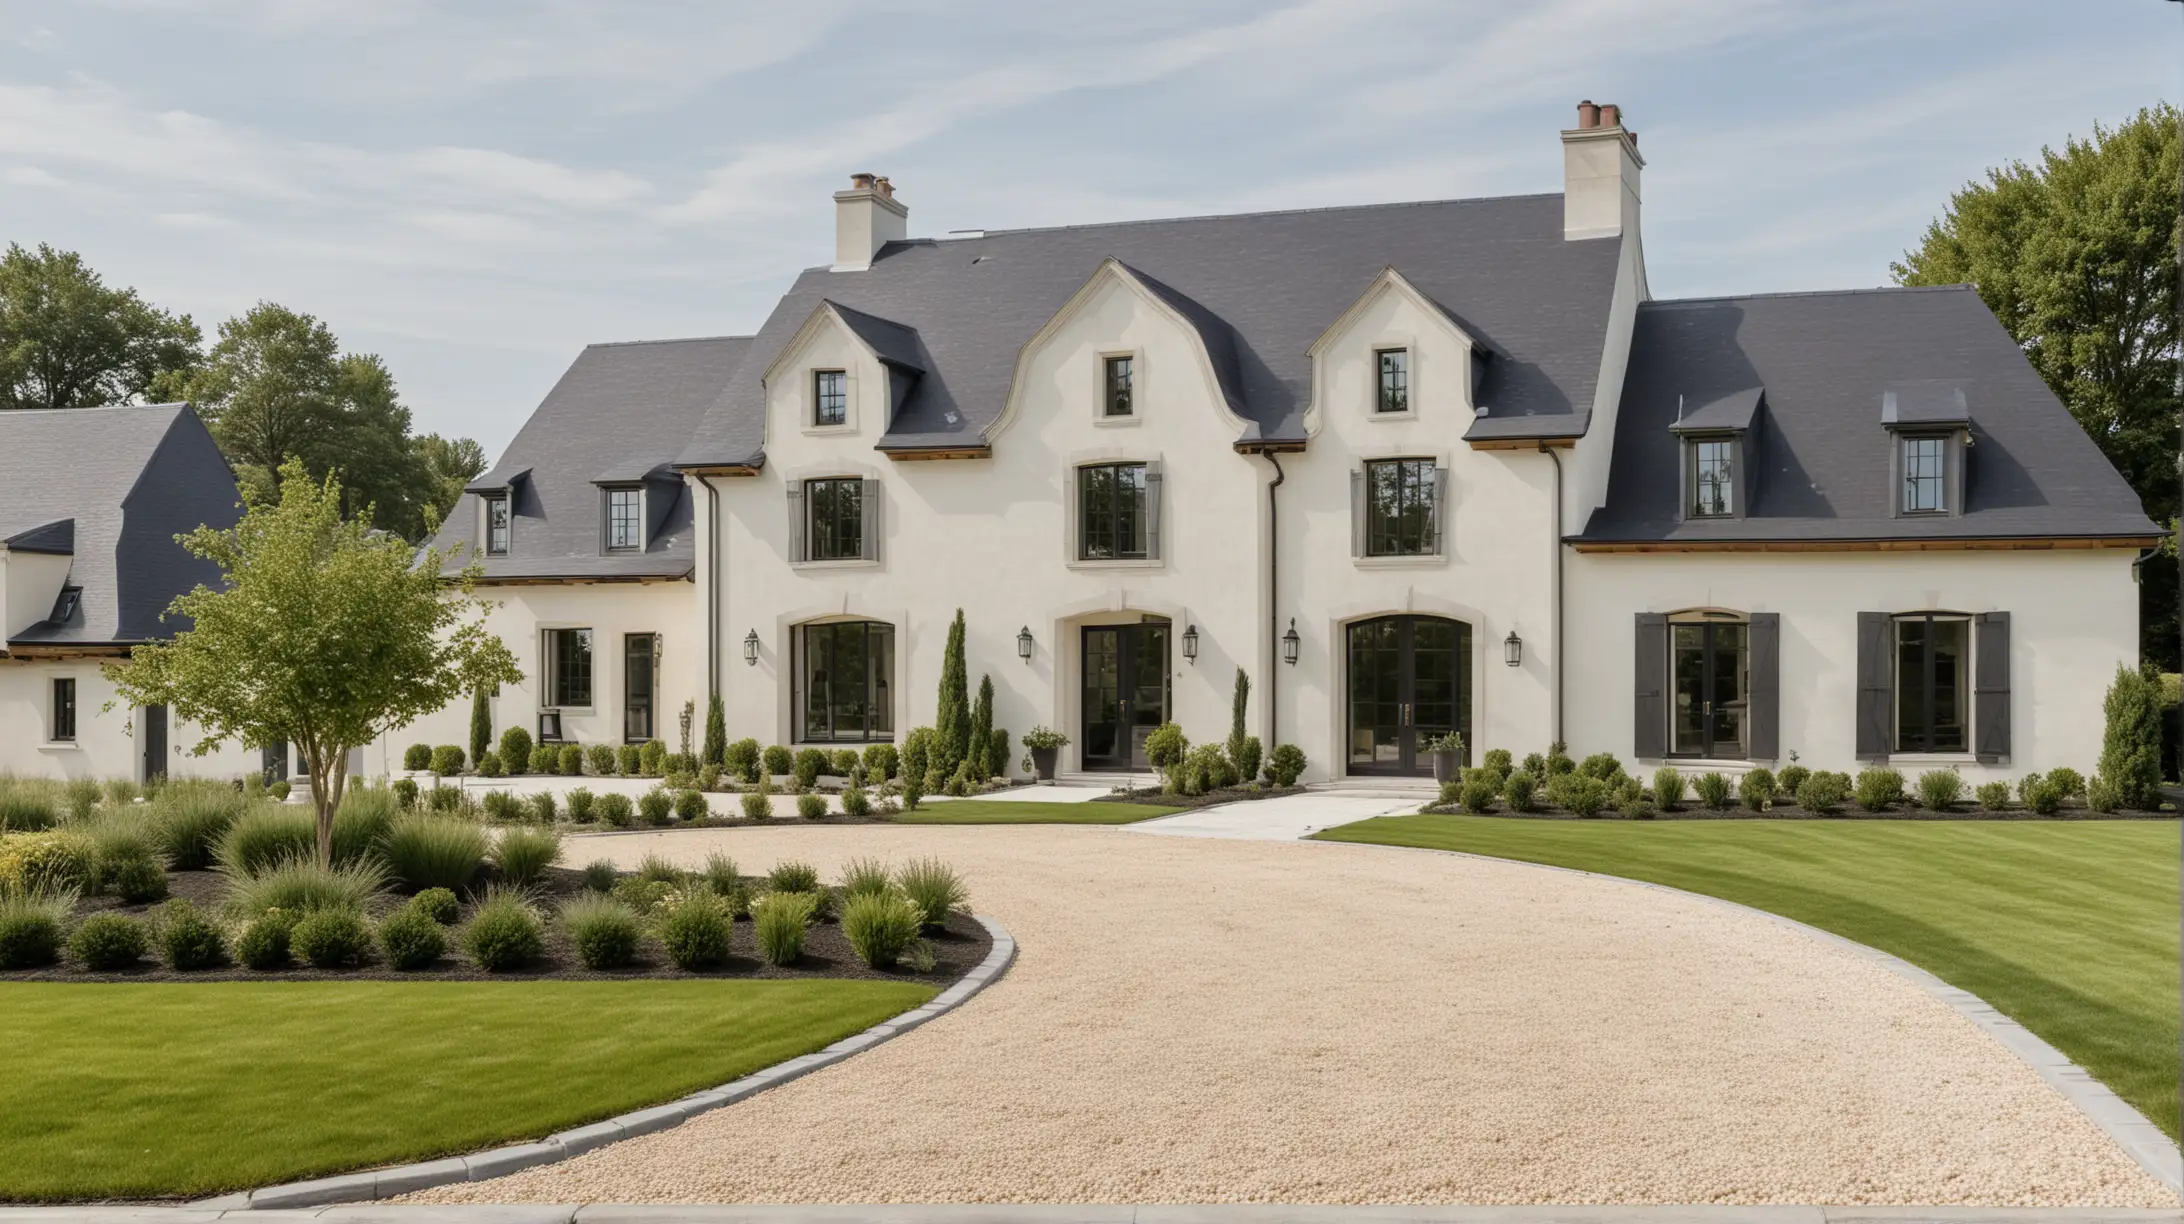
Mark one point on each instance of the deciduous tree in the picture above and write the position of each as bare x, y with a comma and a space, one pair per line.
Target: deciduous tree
69, 341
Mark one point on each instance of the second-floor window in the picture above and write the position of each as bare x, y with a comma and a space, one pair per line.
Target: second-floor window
569, 667
1399, 508
625, 531
1713, 483
1119, 387
836, 507
1113, 512
1394, 380
1924, 461
830, 397
496, 526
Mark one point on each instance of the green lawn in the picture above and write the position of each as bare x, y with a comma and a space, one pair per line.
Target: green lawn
2068, 927
144, 1090
1019, 811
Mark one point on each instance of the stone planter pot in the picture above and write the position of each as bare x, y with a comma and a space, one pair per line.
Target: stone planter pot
1042, 762
1446, 765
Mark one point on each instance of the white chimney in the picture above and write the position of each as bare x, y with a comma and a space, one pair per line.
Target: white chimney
866, 217
1600, 166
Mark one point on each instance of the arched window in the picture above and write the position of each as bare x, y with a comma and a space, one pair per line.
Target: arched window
845, 681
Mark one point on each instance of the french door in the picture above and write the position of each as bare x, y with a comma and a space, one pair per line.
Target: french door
1125, 692
1409, 681
1710, 663
639, 688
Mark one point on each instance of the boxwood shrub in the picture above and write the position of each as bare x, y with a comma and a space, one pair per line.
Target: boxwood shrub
691, 805
106, 942
504, 933
656, 806
515, 749
1878, 789
695, 931
616, 809
447, 759
263, 945
1757, 788
417, 756
603, 929
437, 904
779, 761
332, 939
411, 939
741, 759
630, 758
30, 927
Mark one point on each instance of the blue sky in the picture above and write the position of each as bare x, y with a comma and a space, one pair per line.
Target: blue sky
475, 191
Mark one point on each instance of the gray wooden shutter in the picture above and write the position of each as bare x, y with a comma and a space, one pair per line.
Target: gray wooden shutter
1440, 510
1763, 688
797, 524
1991, 687
1357, 512
1649, 738
1875, 688
868, 499
1154, 483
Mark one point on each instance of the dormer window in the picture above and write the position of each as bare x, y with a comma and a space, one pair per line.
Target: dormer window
1394, 364
1713, 478
1924, 464
625, 521
64, 608
496, 525
1118, 387
830, 397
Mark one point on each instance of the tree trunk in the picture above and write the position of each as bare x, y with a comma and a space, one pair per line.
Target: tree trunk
314, 759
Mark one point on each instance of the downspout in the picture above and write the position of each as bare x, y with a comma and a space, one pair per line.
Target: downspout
1555, 634
712, 587
1273, 595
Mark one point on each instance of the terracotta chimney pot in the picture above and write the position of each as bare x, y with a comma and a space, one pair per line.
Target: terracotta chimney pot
1611, 115
1588, 115
861, 181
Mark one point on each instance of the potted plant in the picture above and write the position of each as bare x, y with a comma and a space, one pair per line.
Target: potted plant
1447, 752
1045, 745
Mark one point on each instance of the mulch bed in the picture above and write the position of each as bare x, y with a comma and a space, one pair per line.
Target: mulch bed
1234, 794
1792, 812
957, 949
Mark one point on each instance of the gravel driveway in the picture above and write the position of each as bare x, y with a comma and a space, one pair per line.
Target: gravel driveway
1222, 1021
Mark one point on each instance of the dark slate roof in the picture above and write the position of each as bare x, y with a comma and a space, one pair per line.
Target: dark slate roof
1260, 287
619, 414
1825, 362
1733, 412
112, 487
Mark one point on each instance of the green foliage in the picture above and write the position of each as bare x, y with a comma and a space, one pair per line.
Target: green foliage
581, 802
1558, 760
489, 766
615, 808
265, 834
934, 887
602, 759
865, 875
811, 806
68, 340
952, 726
1939, 789
1239, 710
545, 759
1601, 765
1879, 789
135, 880
569, 761
1668, 788
27, 809
1823, 791
515, 749
856, 802
604, 930
437, 904
997, 750
412, 939
600, 875
523, 855
652, 758
807, 766
542, 807
1285, 765
978, 744
656, 806
630, 759
1477, 794
1521, 788
51, 861
1712, 789
758, 801
741, 761
1791, 779
715, 752
2131, 741
881, 762
1576, 793
417, 756
793, 875
1247, 759
1757, 788
1637, 807
881, 926
481, 723
1204, 769
2040, 795
1994, 796
695, 931
779, 762
1534, 764
298, 884
691, 805
504, 932
361, 823
30, 926
917, 754
263, 944
434, 852
709, 777
106, 942
447, 759
2101, 795
1166, 750
331, 939
1498, 760
778, 919
843, 761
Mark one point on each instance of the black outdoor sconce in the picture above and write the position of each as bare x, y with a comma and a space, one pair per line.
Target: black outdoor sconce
1023, 643
1512, 649
1190, 644
750, 648
1290, 642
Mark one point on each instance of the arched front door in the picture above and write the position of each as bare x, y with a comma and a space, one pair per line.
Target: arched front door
1409, 681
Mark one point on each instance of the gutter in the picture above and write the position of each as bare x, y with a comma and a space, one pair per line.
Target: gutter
1273, 595
1556, 633
712, 586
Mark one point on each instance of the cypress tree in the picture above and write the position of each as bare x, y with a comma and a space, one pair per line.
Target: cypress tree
1237, 706
980, 753
952, 724
716, 734
481, 725
2131, 743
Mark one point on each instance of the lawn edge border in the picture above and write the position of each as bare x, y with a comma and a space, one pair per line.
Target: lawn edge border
372, 1184
2129, 1129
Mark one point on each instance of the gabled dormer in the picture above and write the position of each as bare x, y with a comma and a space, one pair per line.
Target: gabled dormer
1929, 426
1718, 461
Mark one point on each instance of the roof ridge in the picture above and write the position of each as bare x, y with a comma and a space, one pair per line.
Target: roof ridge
1235, 216
23, 412
671, 340
1807, 293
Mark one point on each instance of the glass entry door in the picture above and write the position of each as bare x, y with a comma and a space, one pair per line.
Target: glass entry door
1125, 692
1410, 681
638, 685
1708, 660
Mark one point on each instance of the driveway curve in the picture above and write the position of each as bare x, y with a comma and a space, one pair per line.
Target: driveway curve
1225, 1021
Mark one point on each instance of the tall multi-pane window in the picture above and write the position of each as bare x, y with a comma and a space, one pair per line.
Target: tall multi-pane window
1933, 694
496, 525
1399, 508
64, 709
625, 529
1120, 386
845, 677
1713, 483
1923, 466
569, 667
1394, 380
830, 397
1113, 507
836, 507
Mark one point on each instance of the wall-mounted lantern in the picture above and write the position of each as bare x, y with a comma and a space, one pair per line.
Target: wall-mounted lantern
1290, 642
750, 648
1512, 649
1190, 643
1023, 643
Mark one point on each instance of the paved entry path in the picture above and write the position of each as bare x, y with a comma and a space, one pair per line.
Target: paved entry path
1222, 1020
1284, 819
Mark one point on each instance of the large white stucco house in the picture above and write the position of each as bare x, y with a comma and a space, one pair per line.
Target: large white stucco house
1413, 467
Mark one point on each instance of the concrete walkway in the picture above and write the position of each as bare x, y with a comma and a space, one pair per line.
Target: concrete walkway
1013, 1213
1284, 819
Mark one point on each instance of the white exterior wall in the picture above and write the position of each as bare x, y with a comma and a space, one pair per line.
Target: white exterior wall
2073, 619
105, 745
32, 582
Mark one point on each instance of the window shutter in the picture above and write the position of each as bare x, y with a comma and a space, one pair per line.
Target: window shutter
1763, 688
1991, 687
797, 525
1440, 510
1875, 689
868, 498
1154, 487
1649, 739
1357, 512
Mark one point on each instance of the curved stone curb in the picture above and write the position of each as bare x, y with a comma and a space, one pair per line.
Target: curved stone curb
2154, 1151
497, 1162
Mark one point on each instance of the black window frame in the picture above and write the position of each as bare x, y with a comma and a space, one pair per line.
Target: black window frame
62, 709
821, 640
1118, 385
498, 503
1907, 446
564, 668
1392, 384
1926, 742
1125, 511
829, 398
1694, 505
640, 718
842, 539
1417, 486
